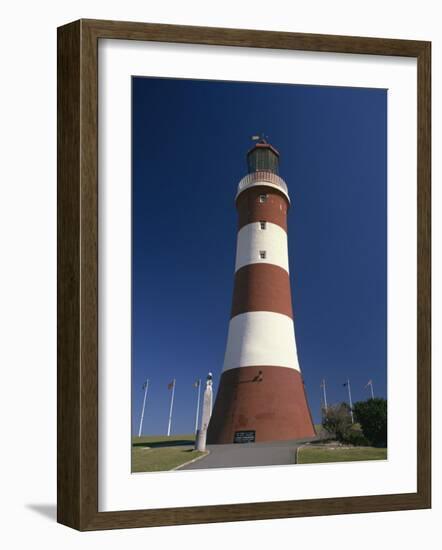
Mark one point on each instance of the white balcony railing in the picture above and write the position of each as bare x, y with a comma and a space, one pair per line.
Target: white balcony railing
260, 178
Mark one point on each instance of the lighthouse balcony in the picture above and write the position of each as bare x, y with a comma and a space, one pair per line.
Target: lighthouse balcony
269, 179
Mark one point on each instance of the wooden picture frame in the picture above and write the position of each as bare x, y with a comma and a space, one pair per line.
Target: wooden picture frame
77, 460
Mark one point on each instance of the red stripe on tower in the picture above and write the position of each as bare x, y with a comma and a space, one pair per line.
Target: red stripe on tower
261, 395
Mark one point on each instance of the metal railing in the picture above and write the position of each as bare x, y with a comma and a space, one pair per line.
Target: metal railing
262, 176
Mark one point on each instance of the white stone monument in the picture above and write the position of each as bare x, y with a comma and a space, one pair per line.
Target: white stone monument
201, 434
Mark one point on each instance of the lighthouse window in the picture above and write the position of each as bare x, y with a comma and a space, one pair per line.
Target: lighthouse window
262, 198
262, 254
262, 224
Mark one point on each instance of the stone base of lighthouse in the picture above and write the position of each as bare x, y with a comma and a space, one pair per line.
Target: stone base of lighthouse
267, 403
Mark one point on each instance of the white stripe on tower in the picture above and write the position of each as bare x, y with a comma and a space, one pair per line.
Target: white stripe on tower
261, 338
256, 245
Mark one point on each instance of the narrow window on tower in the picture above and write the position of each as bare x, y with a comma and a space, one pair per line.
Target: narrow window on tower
262, 224
262, 198
262, 254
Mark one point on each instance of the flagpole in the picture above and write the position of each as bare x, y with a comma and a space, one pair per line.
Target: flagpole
198, 406
349, 398
146, 385
325, 394
171, 407
370, 383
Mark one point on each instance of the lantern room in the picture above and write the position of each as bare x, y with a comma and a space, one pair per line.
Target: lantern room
263, 157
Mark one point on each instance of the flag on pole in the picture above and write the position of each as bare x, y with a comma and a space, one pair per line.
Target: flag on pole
171, 384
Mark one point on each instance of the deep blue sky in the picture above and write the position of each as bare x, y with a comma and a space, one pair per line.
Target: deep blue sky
190, 139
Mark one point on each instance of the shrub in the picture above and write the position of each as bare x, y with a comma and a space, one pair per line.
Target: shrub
357, 438
372, 416
337, 420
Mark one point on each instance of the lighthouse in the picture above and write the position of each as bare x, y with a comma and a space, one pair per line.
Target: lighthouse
261, 394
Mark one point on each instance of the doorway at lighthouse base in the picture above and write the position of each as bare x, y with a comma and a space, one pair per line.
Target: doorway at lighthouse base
263, 403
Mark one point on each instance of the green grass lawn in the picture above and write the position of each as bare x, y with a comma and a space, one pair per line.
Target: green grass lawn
312, 454
161, 453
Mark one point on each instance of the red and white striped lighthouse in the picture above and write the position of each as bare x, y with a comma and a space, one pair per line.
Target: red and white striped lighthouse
261, 394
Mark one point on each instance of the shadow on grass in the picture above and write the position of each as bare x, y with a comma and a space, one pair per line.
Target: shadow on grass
323, 441
160, 444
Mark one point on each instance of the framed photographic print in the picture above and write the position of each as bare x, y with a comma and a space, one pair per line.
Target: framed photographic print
243, 275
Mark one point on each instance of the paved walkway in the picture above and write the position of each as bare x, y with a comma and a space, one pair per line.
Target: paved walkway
248, 454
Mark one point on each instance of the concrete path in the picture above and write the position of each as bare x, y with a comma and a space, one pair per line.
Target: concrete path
248, 454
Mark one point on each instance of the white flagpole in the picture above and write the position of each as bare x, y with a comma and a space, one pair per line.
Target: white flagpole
370, 383
349, 398
198, 406
171, 407
325, 394
146, 385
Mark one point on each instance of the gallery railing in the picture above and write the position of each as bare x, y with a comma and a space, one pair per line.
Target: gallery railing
255, 178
